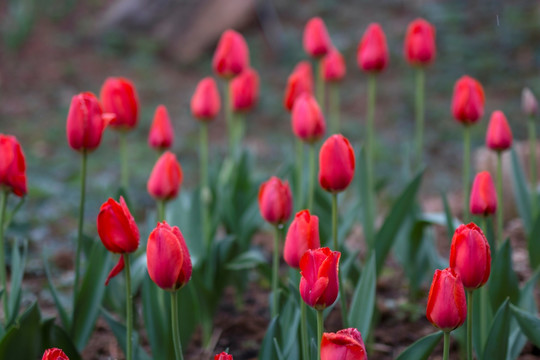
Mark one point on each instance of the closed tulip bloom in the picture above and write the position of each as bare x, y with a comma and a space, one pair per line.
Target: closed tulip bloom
231, 56
119, 97
223, 356
303, 234
346, 344
300, 81
372, 53
333, 66
498, 136
244, 91
54, 354
319, 282
307, 119
529, 104
205, 102
468, 100
161, 134
336, 164
316, 39
167, 257
483, 199
85, 122
419, 48
446, 306
275, 201
166, 177
12, 166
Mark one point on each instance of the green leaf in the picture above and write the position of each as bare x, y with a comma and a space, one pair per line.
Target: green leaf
54, 336
497, 342
529, 324
482, 318
119, 331
450, 221
533, 244
247, 260
521, 191
64, 318
268, 349
422, 348
503, 281
363, 301
18, 262
24, 340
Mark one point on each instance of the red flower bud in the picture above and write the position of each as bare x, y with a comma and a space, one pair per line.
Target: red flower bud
205, 102
54, 354
483, 196
167, 257
446, 306
85, 123
333, 66
336, 164
231, 56
319, 283
419, 48
346, 344
166, 177
275, 201
307, 119
12, 166
468, 100
300, 81
119, 97
499, 135
161, 134
529, 105
372, 53
223, 356
316, 39
303, 234
244, 90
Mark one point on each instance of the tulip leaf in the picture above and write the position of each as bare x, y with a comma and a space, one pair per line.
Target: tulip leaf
56, 297
529, 324
521, 191
24, 340
268, 349
482, 318
247, 260
18, 262
451, 222
497, 342
55, 336
422, 348
363, 301
534, 245
119, 331
503, 281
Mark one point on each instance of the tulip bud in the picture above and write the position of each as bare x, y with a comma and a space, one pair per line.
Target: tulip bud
231, 56
85, 123
167, 257
303, 234
205, 102
244, 91
419, 48
307, 119
316, 39
333, 66
300, 81
54, 354
275, 201
529, 105
372, 53
12, 166
319, 282
166, 177
468, 100
483, 196
161, 134
223, 356
119, 97
446, 306
346, 344
499, 135
336, 164
470, 256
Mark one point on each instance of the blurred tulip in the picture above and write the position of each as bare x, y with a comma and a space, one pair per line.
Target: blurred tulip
85, 122
333, 66
319, 283
119, 97
166, 177
529, 104
307, 119
275, 201
446, 306
419, 47
300, 81
244, 90
223, 356
468, 100
205, 102
303, 234
54, 354
346, 344
499, 135
167, 256
336, 164
12, 166
161, 134
316, 39
483, 199
231, 56
372, 53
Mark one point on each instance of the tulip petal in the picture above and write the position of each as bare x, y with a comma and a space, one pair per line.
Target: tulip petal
115, 270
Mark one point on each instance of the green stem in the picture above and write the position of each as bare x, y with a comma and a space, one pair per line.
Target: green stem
81, 223
420, 113
275, 272
124, 165
303, 330
500, 205
239, 128
469, 323
372, 89
466, 170
299, 173
160, 210
532, 163
129, 309
320, 85
175, 326
229, 116
342, 299
205, 190
446, 351
3, 277
311, 180
320, 329
334, 105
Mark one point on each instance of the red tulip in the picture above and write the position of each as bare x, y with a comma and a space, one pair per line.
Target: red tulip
316, 39
372, 53
336, 164
468, 100
346, 344
446, 306
205, 102
166, 177
529, 105
223, 356
119, 97
333, 66
300, 81
244, 91
419, 48
85, 122
303, 234
161, 134
470, 256
12, 166
54, 354
499, 135
275, 201
307, 119
231, 56
319, 283
483, 196
167, 256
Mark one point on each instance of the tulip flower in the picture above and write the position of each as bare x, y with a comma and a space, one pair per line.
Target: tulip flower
223, 356
244, 89
529, 104
303, 235
530, 108
275, 201
12, 166
54, 354
419, 47
336, 164
483, 199
372, 53
161, 134
166, 178
299, 82
231, 56
205, 102
333, 70
346, 344
316, 40
319, 283
85, 122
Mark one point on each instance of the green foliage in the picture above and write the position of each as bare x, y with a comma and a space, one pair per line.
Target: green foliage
363, 302
497, 341
422, 348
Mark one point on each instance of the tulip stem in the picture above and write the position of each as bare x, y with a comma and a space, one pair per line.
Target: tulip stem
320, 329
81, 223
500, 206
370, 213
466, 170
320, 85
469, 323
446, 351
3, 205
303, 330
124, 166
129, 309
160, 210
311, 180
228, 117
299, 173
205, 190
420, 113
175, 326
334, 108
342, 299
239, 129
275, 272
532, 163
